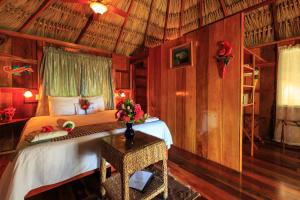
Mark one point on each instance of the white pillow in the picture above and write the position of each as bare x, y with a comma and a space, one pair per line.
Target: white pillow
62, 105
97, 102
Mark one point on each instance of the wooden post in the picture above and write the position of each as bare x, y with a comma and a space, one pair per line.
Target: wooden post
253, 106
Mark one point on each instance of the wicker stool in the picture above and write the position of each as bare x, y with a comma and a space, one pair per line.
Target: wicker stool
127, 158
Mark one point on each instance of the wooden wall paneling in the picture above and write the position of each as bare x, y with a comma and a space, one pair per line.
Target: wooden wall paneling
168, 93
5, 97
192, 100
242, 24
5, 79
180, 95
202, 93
25, 49
231, 96
154, 80
215, 95
189, 140
121, 72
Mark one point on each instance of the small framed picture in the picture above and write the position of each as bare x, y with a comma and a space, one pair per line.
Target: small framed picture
182, 55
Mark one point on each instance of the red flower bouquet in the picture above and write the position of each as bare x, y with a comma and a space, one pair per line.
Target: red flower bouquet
84, 105
223, 56
130, 112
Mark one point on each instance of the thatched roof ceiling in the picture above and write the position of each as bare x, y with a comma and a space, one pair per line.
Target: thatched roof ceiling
149, 22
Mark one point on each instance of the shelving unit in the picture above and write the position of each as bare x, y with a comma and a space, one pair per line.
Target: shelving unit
249, 83
251, 104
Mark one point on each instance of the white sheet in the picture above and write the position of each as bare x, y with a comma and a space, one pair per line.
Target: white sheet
53, 162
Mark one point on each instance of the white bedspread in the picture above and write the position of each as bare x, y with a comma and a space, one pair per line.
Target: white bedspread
52, 162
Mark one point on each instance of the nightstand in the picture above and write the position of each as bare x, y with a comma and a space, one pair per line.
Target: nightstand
10, 133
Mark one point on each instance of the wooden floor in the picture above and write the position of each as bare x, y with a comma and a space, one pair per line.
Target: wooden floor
271, 174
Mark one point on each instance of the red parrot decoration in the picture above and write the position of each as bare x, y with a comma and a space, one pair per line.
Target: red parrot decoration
223, 57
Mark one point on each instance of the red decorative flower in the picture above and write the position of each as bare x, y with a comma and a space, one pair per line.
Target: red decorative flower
84, 104
9, 112
223, 56
69, 130
47, 129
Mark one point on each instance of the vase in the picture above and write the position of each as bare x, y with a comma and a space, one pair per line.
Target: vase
129, 132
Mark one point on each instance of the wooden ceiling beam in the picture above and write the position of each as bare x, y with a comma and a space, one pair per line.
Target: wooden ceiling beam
148, 20
275, 21
180, 16
117, 11
38, 12
83, 30
166, 19
223, 6
123, 25
200, 13
279, 42
57, 42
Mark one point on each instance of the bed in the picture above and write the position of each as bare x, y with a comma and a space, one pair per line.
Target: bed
50, 163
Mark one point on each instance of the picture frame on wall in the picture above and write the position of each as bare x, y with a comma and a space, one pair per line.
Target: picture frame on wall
182, 56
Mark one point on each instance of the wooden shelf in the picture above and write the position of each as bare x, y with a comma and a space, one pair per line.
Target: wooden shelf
248, 67
248, 86
113, 187
249, 104
13, 121
4, 56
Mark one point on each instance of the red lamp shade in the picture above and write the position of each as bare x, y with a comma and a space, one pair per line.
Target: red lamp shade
28, 94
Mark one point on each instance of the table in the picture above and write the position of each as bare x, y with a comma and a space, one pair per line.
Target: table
128, 157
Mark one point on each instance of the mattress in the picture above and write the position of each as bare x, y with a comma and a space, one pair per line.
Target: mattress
53, 162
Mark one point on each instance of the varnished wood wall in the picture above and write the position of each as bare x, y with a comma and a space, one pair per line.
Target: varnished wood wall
12, 87
201, 110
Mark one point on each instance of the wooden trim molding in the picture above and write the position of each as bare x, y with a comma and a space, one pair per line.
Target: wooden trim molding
57, 42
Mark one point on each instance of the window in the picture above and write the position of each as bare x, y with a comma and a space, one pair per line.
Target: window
288, 83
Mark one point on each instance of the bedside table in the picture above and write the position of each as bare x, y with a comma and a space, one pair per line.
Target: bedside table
9, 134
128, 158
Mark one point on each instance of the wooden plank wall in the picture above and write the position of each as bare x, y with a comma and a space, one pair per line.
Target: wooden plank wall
12, 87
201, 110
121, 72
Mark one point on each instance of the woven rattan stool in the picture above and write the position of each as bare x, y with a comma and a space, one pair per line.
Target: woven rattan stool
129, 157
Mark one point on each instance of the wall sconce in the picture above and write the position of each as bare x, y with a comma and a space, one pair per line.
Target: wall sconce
120, 94
30, 96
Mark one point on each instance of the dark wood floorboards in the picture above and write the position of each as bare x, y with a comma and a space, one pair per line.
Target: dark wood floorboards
271, 174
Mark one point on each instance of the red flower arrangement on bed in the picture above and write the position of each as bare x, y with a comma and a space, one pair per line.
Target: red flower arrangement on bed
84, 105
130, 112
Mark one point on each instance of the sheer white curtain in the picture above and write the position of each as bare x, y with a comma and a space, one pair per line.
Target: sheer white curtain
288, 95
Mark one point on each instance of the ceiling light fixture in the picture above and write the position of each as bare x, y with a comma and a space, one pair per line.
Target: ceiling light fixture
98, 8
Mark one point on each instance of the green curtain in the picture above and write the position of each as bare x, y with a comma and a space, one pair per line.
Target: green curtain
72, 74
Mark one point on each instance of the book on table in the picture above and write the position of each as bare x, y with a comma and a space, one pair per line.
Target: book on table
140, 179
